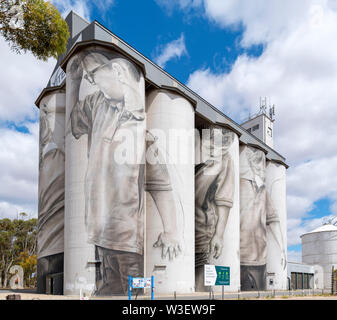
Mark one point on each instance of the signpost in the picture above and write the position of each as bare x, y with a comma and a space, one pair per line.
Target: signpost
216, 276
136, 283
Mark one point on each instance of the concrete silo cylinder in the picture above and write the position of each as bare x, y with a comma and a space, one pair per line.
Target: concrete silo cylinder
276, 187
217, 215
257, 212
50, 240
319, 247
170, 192
105, 143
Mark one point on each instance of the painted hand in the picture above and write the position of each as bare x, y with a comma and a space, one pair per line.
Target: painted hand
169, 245
216, 246
126, 115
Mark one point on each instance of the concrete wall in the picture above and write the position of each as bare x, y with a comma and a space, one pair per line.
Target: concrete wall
276, 188
259, 120
265, 128
169, 254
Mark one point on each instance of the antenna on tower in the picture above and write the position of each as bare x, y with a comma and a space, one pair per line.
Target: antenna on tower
329, 220
263, 105
333, 221
272, 112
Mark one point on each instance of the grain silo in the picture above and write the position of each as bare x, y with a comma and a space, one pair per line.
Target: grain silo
319, 247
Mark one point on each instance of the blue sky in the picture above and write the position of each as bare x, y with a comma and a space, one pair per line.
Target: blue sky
231, 53
207, 45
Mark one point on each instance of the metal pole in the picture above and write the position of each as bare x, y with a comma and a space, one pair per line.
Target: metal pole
223, 292
152, 281
130, 287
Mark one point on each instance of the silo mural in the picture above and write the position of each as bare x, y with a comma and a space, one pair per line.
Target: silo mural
217, 205
276, 188
50, 242
256, 212
170, 192
106, 127
128, 188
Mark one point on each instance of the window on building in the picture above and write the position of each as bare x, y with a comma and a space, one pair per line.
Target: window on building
299, 281
270, 131
310, 280
249, 130
305, 281
256, 127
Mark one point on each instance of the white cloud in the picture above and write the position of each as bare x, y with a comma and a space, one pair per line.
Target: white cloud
79, 6
12, 211
23, 78
298, 227
172, 50
263, 20
294, 256
18, 171
82, 7
298, 71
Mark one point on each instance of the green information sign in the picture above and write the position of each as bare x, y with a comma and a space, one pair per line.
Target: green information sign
223, 276
216, 275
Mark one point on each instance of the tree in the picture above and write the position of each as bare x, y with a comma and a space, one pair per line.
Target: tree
33, 25
18, 239
28, 262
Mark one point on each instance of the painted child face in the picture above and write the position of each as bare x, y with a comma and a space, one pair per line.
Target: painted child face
222, 140
257, 162
108, 79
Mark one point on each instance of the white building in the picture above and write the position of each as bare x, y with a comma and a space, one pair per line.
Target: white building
262, 127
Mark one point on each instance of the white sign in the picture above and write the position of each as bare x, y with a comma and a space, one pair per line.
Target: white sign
141, 282
209, 275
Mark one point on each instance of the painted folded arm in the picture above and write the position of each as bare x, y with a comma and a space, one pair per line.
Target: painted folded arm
273, 222
216, 244
277, 234
224, 196
79, 120
137, 114
168, 240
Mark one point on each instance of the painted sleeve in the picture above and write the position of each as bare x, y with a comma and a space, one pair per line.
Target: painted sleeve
157, 176
224, 193
79, 119
272, 215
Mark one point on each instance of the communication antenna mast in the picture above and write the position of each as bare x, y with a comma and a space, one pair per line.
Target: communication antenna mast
263, 108
272, 112
332, 221
263, 105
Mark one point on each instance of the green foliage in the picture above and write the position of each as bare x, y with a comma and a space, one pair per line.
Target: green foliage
33, 25
18, 241
28, 263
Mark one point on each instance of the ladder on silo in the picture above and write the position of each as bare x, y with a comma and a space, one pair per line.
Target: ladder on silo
333, 280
